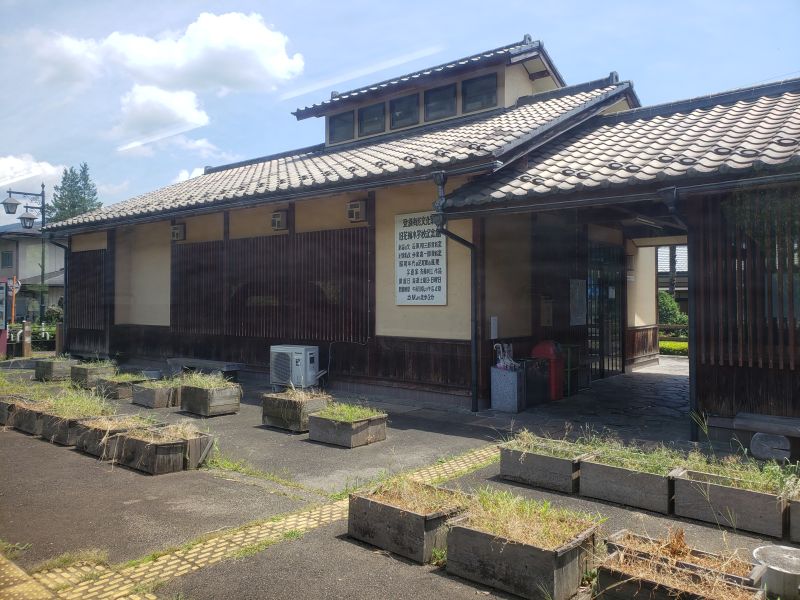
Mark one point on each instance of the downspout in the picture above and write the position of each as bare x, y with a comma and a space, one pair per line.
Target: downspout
440, 220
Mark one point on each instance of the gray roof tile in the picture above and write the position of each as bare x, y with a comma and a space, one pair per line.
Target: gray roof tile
725, 133
320, 168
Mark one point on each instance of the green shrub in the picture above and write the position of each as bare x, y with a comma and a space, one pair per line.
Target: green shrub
669, 313
674, 348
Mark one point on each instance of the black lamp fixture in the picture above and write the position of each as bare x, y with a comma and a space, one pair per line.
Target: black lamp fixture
28, 219
10, 204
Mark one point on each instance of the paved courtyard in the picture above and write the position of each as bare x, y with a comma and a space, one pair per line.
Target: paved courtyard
270, 521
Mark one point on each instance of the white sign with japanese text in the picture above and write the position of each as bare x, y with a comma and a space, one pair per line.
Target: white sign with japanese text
420, 261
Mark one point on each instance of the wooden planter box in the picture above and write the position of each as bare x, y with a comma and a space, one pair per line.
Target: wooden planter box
116, 390
87, 376
53, 370
614, 584
197, 450
521, 569
7, 410
349, 435
626, 486
618, 542
28, 420
154, 397
541, 470
155, 458
210, 402
98, 442
287, 413
59, 430
409, 534
794, 521
708, 498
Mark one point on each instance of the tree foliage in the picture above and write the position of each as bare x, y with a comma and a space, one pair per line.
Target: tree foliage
669, 313
76, 195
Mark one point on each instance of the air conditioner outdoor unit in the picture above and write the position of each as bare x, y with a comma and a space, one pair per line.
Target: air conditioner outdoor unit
294, 365
279, 220
178, 232
356, 211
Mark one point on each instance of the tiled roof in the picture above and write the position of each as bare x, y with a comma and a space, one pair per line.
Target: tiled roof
681, 259
501, 54
459, 142
728, 134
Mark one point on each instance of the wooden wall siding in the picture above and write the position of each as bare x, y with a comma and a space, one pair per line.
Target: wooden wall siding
748, 279
431, 364
197, 288
309, 286
329, 294
641, 343
86, 292
724, 390
90, 343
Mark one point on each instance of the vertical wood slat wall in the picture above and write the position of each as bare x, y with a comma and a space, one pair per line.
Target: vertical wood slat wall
309, 286
85, 296
747, 276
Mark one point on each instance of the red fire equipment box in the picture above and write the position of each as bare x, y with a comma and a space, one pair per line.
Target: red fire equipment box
552, 352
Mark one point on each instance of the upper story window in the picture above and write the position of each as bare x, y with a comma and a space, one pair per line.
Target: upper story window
404, 112
372, 119
440, 102
341, 127
6, 259
479, 93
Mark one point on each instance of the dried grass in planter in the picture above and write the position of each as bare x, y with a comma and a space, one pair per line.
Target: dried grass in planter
527, 521
59, 422
626, 571
421, 498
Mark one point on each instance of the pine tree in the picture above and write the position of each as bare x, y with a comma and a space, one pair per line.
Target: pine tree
76, 195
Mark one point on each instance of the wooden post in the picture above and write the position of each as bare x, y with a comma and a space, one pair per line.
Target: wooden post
27, 350
59, 339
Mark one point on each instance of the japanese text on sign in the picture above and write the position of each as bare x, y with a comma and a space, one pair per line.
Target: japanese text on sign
420, 261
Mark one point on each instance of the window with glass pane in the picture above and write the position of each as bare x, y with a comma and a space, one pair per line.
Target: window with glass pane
341, 127
440, 102
372, 119
6, 259
479, 93
404, 111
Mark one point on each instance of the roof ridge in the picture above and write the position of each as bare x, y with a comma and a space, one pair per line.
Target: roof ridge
266, 158
611, 79
526, 44
707, 101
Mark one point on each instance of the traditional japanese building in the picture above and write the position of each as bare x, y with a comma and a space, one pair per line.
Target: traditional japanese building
485, 184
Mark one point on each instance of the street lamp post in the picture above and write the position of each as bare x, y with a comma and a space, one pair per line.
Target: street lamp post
27, 219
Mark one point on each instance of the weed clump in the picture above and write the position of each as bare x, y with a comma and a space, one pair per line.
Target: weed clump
348, 413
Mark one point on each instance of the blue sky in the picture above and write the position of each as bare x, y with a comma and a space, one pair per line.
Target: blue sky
147, 92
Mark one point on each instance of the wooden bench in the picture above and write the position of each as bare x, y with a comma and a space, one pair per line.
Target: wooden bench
230, 370
768, 432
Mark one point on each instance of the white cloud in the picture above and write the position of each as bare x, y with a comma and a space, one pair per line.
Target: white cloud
64, 59
112, 189
220, 53
362, 72
25, 171
150, 114
184, 174
202, 147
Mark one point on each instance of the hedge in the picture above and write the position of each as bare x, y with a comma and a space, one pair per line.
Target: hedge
674, 348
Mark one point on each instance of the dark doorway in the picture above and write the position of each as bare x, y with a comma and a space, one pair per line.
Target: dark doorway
604, 291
